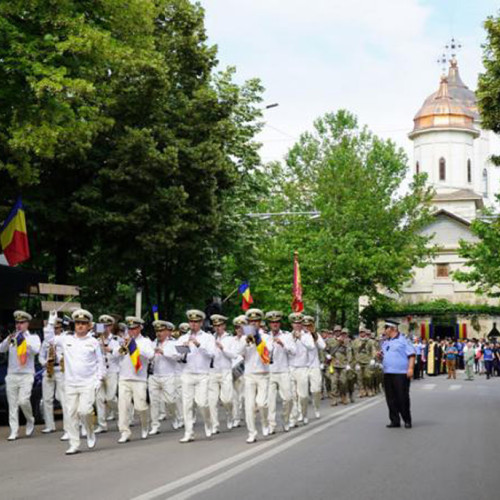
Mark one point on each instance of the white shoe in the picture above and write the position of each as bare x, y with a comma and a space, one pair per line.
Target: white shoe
252, 438
64, 437
180, 424
306, 420
215, 430
12, 436
110, 417
91, 440
48, 430
316, 414
186, 439
154, 431
286, 427
272, 430
72, 450
300, 419
30, 427
175, 424
236, 423
124, 438
265, 431
292, 424
208, 431
229, 424
144, 433
100, 430
83, 432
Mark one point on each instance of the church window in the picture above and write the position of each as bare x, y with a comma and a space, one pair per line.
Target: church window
442, 169
469, 171
442, 270
417, 168
485, 183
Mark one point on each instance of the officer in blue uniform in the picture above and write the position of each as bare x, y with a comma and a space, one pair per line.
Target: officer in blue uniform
398, 362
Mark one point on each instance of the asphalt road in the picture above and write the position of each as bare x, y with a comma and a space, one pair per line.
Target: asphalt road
452, 453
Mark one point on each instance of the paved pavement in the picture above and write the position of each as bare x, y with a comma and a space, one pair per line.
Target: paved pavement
452, 453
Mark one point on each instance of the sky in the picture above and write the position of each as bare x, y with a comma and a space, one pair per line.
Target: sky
376, 58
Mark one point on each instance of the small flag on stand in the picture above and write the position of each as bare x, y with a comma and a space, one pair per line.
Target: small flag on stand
14, 235
297, 303
247, 300
426, 330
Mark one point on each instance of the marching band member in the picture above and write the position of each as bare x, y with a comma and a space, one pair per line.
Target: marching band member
83, 371
183, 329
256, 353
220, 381
53, 378
162, 383
238, 367
314, 371
134, 355
106, 401
194, 377
299, 369
22, 347
279, 378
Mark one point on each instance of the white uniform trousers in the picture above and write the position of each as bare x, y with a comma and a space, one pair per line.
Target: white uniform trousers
19, 387
80, 406
106, 401
256, 395
194, 390
300, 393
238, 397
162, 391
53, 387
280, 383
179, 413
132, 395
220, 386
315, 385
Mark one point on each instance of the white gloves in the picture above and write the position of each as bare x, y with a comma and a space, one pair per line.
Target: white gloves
372, 362
358, 368
328, 357
52, 317
348, 367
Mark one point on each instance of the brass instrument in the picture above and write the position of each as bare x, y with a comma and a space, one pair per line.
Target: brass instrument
13, 341
61, 364
51, 359
250, 339
124, 347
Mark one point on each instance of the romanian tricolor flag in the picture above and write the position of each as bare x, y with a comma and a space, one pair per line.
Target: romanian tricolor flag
247, 301
14, 236
297, 303
262, 349
426, 330
135, 355
22, 348
461, 329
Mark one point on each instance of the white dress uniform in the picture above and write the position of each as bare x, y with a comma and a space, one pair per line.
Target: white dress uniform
106, 399
314, 374
256, 387
52, 386
220, 382
299, 367
195, 380
179, 412
132, 388
162, 384
83, 370
280, 378
19, 383
238, 382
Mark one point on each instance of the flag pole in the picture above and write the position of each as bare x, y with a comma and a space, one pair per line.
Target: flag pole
231, 294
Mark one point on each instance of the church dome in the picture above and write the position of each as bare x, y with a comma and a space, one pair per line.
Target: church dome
452, 106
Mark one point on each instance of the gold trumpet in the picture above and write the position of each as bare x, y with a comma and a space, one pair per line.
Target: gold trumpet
51, 359
124, 347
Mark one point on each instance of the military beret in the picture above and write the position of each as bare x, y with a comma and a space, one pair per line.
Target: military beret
22, 316
254, 315
133, 321
218, 319
195, 315
184, 327
308, 321
390, 323
274, 316
240, 320
337, 328
160, 325
296, 318
82, 316
107, 319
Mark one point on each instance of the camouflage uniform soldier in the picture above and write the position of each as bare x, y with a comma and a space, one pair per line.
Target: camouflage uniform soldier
364, 354
351, 374
341, 354
376, 368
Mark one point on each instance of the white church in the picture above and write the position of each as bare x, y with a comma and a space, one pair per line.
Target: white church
453, 150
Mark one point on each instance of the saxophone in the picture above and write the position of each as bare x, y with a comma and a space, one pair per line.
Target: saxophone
51, 359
